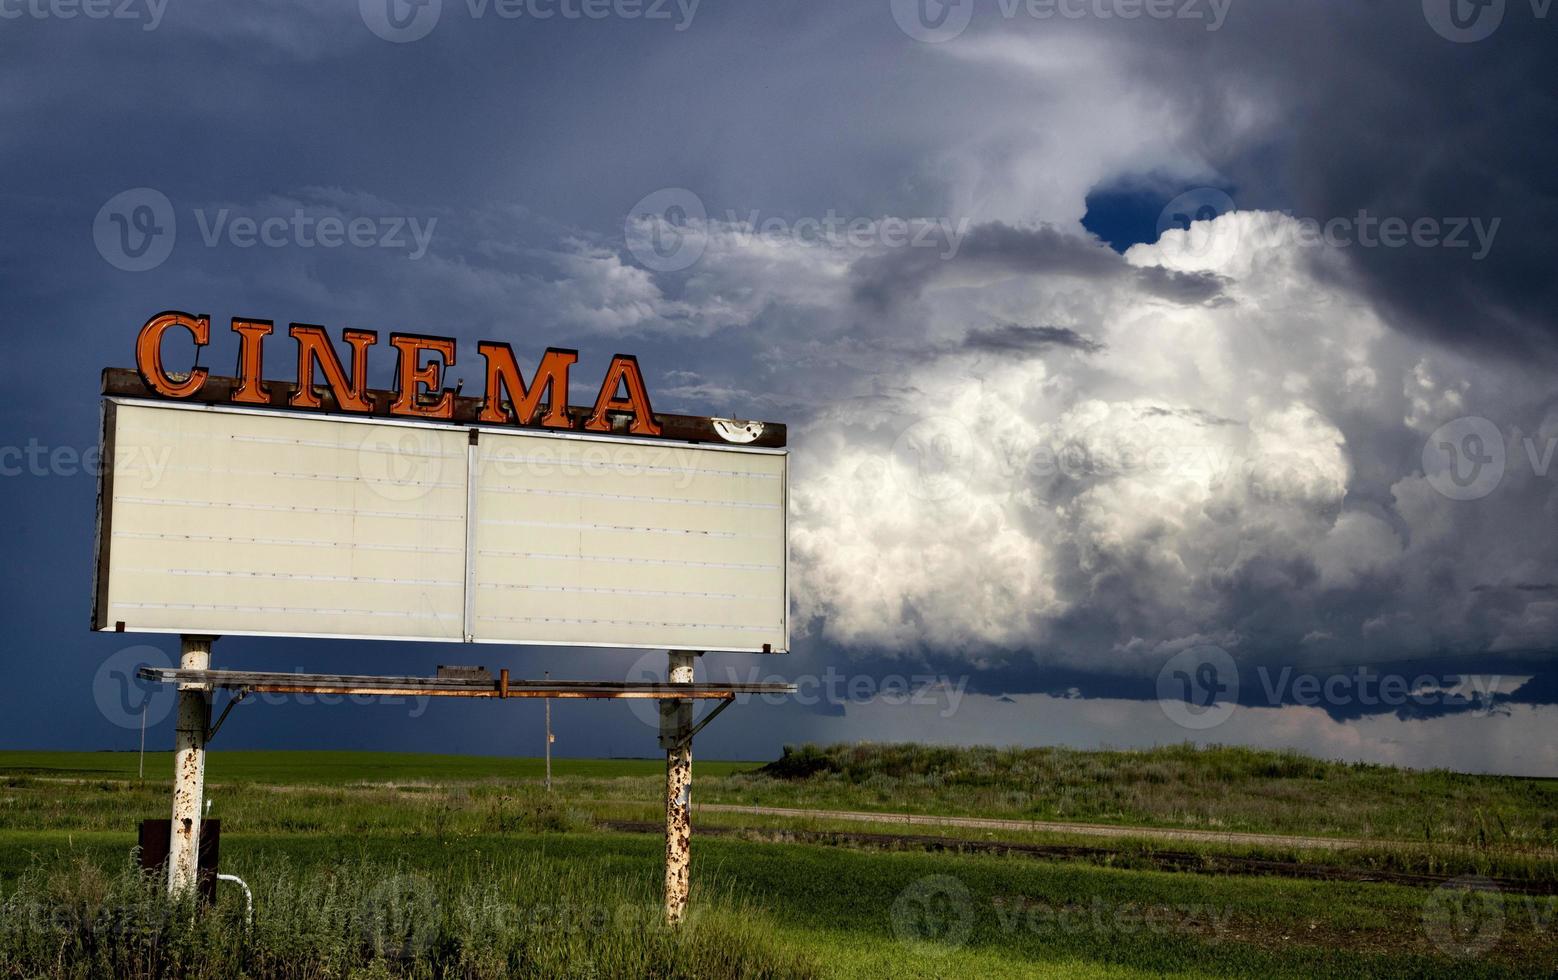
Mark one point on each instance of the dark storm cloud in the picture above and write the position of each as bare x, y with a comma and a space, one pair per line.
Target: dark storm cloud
999, 250
1014, 338
1364, 109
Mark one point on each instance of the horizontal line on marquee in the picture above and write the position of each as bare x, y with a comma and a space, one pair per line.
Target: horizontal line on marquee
585, 526
550, 556
625, 622
287, 542
627, 496
348, 511
297, 576
608, 591
306, 610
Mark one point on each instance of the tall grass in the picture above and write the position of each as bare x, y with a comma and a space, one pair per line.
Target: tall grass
1219, 787
526, 917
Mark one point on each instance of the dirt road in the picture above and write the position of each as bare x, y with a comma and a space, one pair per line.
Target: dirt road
1053, 826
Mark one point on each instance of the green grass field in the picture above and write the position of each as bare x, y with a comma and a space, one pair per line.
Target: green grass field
369, 864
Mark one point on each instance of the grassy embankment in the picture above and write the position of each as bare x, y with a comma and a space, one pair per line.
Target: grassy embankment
415, 865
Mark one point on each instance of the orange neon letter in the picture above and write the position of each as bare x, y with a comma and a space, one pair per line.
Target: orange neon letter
551, 377
414, 376
148, 353
251, 388
314, 344
624, 370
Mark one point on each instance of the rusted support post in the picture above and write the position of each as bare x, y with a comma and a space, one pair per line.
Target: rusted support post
675, 737
189, 766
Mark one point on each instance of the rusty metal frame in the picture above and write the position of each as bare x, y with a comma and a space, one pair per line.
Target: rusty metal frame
233, 697
103, 525
218, 390
685, 738
502, 687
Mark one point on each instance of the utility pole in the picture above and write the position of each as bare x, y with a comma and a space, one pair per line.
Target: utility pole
676, 739
189, 765
548, 676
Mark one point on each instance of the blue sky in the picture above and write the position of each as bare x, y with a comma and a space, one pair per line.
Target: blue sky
1048, 435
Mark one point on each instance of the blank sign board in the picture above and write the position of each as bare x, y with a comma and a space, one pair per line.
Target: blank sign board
230, 521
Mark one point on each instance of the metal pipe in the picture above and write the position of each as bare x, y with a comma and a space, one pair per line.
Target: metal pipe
189, 766
675, 723
248, 897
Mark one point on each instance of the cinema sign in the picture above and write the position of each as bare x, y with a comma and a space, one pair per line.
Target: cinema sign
323, 507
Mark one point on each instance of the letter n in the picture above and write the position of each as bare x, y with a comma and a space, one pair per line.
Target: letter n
314, 345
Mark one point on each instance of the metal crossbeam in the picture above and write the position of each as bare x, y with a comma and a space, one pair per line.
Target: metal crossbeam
503, 687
